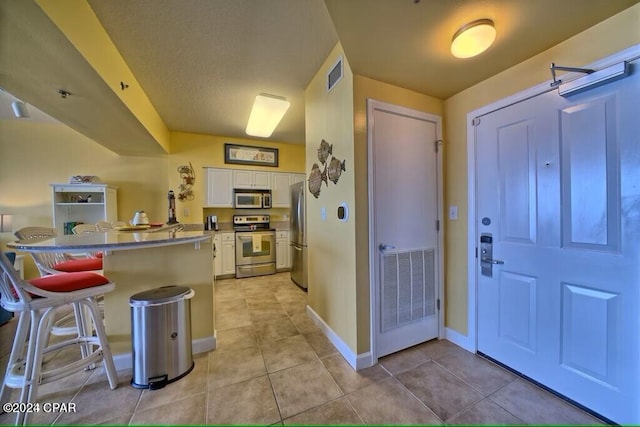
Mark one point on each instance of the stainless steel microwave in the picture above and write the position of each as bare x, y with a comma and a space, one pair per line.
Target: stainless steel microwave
252, 199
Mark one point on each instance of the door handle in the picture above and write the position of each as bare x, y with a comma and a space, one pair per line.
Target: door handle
491, 261
382, 247
296, 248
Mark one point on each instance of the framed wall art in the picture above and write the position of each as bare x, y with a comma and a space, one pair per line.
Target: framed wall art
248, 155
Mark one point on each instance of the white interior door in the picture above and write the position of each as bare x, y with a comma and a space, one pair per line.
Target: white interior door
404, 180
558, 196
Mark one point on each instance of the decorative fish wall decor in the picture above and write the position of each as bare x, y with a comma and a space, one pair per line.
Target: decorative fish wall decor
315, 179
324, 151
332, 169
335, 169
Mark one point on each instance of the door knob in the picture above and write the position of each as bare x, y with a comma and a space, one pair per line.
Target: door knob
382, 247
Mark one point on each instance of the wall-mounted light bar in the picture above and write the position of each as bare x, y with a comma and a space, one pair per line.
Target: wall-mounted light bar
595, 79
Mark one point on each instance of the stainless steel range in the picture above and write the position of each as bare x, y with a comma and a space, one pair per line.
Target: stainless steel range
255, 246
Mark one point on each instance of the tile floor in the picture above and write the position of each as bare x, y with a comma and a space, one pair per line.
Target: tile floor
274, 366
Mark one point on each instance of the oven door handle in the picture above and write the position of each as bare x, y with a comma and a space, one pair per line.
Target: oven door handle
250, 238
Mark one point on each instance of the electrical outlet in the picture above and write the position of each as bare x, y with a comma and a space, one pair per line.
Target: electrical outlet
453, 213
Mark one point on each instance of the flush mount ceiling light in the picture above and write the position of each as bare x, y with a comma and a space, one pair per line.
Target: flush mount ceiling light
473, 38
266, 113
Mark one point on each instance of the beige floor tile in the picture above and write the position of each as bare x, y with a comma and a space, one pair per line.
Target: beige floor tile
273, 330
350, 380
191, 410
440, 390
248, 402
228, 291
286, 353
485, 412
436, 349
388, 402
195, 382
235, 338
266, 312
321, 344
535, 406
304, 324
293, 308
484, 376
403, 360
231, 305
234, 319
234, 366
255, 302
303, 387
336, 412
96, 403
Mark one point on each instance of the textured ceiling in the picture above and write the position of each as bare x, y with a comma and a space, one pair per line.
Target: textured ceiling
201, 62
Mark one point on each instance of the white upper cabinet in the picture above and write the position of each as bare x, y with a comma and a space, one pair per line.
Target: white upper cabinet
252, 179
219, 188
280, 182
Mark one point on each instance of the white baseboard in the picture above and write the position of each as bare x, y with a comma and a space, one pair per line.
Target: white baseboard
357, 361
460, 340
124, 361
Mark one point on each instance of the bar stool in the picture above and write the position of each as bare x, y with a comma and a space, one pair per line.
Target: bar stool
56, 263
35, 301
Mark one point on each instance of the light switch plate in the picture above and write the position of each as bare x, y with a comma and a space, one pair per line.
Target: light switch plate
453, 212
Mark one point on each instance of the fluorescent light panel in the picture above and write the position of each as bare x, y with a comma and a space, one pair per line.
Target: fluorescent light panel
265, 115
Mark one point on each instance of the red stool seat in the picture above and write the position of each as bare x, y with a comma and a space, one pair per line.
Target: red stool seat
69, 282
80, 264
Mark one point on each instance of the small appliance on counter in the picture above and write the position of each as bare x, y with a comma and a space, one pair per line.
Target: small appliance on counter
211, 223
140, 218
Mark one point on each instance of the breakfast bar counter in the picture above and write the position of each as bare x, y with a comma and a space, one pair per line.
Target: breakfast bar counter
143, 260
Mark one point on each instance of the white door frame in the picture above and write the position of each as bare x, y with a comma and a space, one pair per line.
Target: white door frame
471, 341
373, 250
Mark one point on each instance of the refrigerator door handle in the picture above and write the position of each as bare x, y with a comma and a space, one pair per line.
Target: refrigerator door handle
296, 247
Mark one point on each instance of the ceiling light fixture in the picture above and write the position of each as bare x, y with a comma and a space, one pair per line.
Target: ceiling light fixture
473, 38
266, 113
19, 109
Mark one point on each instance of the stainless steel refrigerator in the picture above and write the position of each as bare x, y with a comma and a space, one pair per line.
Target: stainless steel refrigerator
298, 234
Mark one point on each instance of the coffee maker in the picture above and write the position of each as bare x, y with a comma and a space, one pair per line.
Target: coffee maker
211, 224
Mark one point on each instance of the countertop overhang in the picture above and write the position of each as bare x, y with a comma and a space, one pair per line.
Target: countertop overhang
110, 241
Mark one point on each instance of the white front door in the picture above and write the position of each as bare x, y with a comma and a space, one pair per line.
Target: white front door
558, 218
404, 188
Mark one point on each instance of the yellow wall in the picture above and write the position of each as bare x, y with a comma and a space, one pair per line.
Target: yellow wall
603, 39
364, 88
332, 243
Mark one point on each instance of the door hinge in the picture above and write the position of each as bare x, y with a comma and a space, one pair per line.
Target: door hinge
437, 225
475, 121
438, 304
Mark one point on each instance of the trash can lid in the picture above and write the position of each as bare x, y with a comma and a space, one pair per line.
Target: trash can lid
165, 294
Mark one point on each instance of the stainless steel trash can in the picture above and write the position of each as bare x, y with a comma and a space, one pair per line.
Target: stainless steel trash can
161, 336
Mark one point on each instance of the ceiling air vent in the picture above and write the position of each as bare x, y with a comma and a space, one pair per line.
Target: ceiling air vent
334, 75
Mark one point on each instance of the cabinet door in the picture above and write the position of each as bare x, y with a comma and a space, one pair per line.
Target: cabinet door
219, 191
297, 177
280, 190
217, 264
262, 180
281, 253
228, 253
251, 179
242, 179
